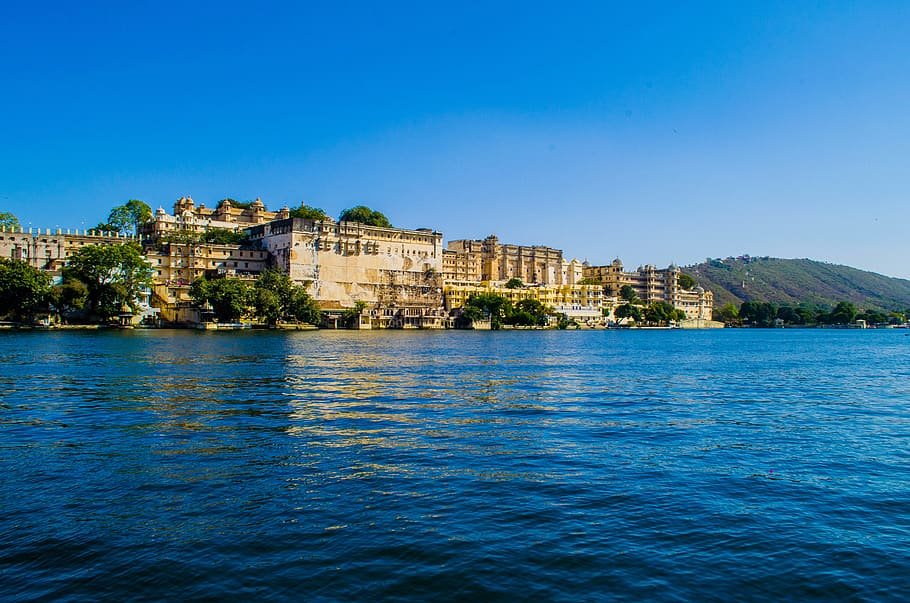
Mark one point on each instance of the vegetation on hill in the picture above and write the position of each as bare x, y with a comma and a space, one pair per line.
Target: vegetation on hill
798, 282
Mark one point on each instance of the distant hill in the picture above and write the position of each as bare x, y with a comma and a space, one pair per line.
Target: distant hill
792, 281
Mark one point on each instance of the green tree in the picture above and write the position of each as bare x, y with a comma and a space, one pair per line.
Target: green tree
308, 213
129, 217
490, 306
230, 298
364, 215
628, 311
69, 297
114, 275
106, 227
304, 308
352, 315
896, 318
843, 313
627, 293
267, 305
686, 281
236, 203
789, 315
276, 297
9, 221
528, 312
662, 313
514, 283
758, 314
808, 315
223, 236
873, 317
273, 295
728, 314
23, 290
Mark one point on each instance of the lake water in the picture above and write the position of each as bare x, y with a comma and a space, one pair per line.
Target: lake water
667, 465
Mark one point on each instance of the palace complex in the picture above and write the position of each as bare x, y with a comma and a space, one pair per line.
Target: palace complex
400, 278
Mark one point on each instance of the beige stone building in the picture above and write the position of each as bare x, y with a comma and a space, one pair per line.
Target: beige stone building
652, 284
343, 263
572, 272
490, 260
176, 265
47, 249
582, 303
191, 218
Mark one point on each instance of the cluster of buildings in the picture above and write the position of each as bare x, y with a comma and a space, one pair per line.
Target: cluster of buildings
401, 278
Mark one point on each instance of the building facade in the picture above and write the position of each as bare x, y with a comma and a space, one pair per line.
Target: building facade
652, 284
490, 260
47, 249
343, 263
582, 303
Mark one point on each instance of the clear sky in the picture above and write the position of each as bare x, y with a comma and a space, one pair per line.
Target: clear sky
667, 132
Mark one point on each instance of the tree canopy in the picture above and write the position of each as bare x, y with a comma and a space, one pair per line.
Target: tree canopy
308, 213
489, 306
662, 313
9, 220
113, 275
627, 292
223, 236
23, 290
843, 313
628, 311
273, 297
528, 312
500, 311
728, 314
277, 297
686, 281
128, 217
230, 298
514, 283
365, 215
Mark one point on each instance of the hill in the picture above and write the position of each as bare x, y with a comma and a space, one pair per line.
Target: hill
736, 280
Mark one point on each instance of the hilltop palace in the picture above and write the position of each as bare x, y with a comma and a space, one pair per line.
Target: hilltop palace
404, 278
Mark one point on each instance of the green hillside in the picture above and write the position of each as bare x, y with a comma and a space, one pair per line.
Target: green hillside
736, 280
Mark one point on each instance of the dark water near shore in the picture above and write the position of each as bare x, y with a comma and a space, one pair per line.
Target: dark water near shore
455, 465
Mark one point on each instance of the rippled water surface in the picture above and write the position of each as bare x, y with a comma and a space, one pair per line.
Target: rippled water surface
455, 465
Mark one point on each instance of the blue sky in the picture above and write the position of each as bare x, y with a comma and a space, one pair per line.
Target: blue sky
657, 133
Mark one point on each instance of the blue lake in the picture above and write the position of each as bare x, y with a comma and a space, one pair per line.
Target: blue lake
661, 465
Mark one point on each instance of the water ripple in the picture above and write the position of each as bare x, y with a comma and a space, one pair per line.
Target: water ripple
493, 466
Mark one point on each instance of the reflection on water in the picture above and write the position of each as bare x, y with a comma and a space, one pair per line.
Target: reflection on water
550, 465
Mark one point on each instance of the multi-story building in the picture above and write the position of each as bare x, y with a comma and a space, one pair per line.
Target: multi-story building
462, 265
176, 265
402, 278
582, 303
48, 250
190, 218
501, 262
343, 263
652, 284
572, 272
